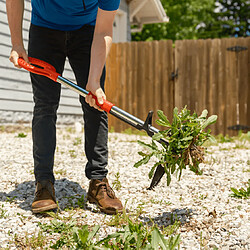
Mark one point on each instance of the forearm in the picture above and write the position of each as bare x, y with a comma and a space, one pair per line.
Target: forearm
15, 10
101, 45
100, 49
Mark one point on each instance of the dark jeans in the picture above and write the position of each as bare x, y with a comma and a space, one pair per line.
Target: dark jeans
53, 46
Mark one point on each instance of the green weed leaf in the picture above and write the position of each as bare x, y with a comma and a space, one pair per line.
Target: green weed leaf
144, 160
187, 138
158, 240
204, 114
83, 234
174, 241
163, 118
212, 119
241, 193
148, 146
157, 136
94, 231
150, 175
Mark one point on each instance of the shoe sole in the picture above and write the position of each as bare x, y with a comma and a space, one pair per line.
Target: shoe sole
44, 209
106, 211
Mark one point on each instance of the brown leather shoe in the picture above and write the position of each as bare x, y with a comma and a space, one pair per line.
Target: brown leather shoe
44, 197
103, 195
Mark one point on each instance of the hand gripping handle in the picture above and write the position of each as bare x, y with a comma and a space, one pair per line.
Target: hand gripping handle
106, 106
43, 68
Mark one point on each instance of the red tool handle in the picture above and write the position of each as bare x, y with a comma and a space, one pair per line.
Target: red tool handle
43, 68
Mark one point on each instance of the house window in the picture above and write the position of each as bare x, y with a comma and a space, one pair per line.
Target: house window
120, 27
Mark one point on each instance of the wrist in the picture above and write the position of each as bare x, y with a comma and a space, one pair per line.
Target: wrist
94, 83
17, 41
19, 48
17, 45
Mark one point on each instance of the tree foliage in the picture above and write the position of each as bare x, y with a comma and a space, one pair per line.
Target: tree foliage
232, 18
193, 19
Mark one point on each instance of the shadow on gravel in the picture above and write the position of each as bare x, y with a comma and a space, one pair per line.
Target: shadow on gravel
69, 194
182, 216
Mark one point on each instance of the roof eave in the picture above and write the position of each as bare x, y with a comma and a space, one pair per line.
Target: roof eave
158, 17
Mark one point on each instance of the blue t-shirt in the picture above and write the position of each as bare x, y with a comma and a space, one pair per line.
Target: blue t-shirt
68, 14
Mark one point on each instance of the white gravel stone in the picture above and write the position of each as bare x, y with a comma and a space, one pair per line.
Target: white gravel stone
210, 217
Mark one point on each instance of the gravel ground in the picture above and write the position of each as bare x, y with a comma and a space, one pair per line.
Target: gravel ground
209, 217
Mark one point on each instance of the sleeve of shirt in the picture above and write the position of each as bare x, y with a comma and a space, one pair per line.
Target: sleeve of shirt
109, 5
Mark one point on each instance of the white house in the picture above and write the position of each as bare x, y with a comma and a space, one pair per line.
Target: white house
16, 104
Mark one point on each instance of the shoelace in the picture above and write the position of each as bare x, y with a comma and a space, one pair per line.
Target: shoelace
107, 188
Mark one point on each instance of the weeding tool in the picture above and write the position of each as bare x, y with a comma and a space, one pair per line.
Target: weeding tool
43, 68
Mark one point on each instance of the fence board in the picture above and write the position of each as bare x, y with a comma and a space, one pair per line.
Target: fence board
167, 85
119, 83
221, 89
128, 98
179, 65
111, 79
134, 66
243, 66
213, 52
231, 96
149, 83
157, 71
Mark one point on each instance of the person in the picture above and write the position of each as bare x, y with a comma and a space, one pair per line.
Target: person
80, 30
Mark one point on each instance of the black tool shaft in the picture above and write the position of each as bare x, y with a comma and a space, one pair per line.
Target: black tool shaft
130, 119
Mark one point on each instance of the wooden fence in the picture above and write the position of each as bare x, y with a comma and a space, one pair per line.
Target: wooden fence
202, 74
